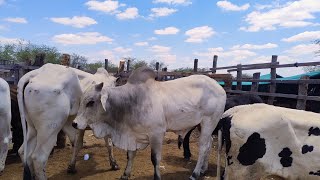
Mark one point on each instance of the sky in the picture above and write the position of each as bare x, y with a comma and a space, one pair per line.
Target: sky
172, 31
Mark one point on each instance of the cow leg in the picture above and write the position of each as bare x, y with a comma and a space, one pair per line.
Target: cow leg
156, 148
77, 145
130, 157
45, 143
112, 160
207, 127
31, 144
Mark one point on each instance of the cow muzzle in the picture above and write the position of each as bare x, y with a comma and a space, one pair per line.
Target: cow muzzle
75, 125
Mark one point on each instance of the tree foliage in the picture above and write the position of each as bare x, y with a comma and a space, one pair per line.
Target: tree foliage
153, 65
26, 52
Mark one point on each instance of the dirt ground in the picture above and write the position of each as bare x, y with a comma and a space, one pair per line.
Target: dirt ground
173, 166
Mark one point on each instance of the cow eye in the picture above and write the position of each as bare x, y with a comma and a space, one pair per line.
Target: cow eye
90, 104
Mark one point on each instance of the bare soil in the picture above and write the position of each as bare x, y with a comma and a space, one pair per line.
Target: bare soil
173, 165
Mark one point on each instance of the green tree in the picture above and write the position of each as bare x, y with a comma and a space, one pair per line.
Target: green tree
78, 60
92, 67
135, 63
7, 52
153, 63
26, 52
185, 69
112, 68
139, 63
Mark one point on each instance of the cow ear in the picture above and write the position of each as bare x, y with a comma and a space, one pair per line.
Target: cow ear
99, 86
104, 98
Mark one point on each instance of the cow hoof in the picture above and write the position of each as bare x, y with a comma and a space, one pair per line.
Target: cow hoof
124, 177
194, 176
72, 169
114, 166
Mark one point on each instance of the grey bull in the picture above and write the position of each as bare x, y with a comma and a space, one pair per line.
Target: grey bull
5, 119
48, 100
140, 112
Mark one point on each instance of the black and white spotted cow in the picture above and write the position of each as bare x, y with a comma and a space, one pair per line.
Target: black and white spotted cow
231, 102
264, 141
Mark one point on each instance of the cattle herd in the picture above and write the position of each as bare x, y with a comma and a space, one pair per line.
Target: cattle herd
260, 141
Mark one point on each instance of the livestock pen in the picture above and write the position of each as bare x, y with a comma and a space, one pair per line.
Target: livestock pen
173, 165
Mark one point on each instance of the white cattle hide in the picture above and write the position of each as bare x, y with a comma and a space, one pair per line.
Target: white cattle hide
5, 120
49, 99
264, 140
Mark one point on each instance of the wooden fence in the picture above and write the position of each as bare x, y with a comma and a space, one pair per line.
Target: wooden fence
302, 83
13, 72
16, 71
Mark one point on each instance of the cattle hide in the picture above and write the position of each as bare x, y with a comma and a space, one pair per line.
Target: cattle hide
264, 140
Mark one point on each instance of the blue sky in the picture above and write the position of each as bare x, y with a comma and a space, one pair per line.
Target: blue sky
172, 31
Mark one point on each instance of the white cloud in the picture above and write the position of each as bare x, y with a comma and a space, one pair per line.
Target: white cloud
107, 6
160, 12
2, 2
4, 40
105, 54
267, 59
160, 49
291, 14
263, 6
303, 49
234, 55
167, 31
16, 20
152, 39
163, 53
228, 6
75, 21
129, 13
141, 43
174, 2
122, 50
199, 34
2, 28
81, 38
255, 46
167, 58
305, 36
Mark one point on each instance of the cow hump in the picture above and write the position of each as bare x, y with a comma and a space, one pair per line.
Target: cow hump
141, 75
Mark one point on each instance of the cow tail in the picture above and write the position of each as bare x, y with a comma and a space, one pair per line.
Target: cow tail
23, 82
219, 153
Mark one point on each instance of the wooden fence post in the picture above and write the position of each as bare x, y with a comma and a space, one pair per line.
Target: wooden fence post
65, 61
61, 138
16, 74
214, 63
128, 65
165, 75
228, 83
39, 59
273, 74
106, 62
195, 65
255, 85
302, 91
239, 77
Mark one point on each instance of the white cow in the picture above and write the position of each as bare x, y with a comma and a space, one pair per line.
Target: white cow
48, 100
140, 112
268, 142
5, 119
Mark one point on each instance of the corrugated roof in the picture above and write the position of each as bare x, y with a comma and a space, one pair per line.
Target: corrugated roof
268, 76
